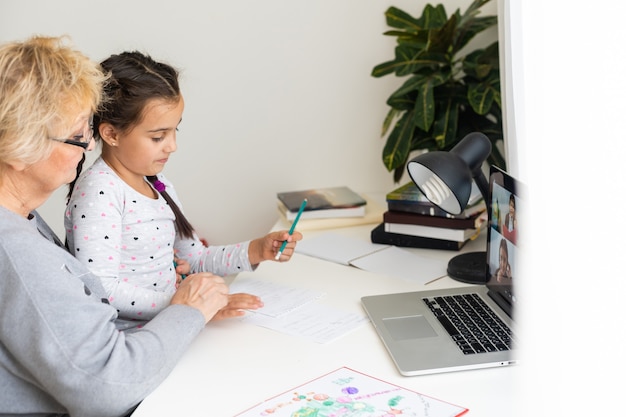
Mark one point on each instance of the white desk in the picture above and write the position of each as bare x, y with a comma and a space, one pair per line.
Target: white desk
233, 366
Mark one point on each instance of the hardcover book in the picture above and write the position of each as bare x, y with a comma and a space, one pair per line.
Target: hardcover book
378, 235
323, 200
471, 222
458, 235
358, 211
408, 198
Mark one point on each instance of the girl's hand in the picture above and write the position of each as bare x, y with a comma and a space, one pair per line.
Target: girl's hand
182, 269
237, 303
267, 247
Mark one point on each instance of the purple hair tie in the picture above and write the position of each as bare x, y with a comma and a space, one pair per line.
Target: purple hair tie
159, 186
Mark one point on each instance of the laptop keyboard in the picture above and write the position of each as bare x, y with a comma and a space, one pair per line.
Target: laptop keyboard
471, 323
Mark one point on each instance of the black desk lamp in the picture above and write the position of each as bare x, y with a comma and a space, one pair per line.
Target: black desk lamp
445, 178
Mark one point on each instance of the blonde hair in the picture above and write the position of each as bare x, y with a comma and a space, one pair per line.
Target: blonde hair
43, 84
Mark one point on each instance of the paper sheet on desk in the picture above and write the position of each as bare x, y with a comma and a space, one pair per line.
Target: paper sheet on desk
337, 248
372, 257
317, 322
403, 264
294, 311
277, 299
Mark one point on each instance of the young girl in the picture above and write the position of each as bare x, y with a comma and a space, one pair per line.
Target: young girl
123, 218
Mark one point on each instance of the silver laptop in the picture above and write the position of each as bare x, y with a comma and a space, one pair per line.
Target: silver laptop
425, 331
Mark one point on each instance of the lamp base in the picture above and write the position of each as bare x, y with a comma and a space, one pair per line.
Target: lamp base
469, 268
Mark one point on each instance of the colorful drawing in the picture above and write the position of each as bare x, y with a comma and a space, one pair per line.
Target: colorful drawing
348, 393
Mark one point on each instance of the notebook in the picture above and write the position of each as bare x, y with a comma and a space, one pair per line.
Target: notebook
413, 327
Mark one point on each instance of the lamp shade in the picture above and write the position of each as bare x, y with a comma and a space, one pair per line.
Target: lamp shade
445, 178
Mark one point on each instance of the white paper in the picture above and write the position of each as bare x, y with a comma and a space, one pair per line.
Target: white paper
337, 248
373, 257
403, 264
277, 299
294, 311
317, 322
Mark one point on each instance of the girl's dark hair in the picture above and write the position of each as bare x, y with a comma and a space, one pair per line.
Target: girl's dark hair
134, 79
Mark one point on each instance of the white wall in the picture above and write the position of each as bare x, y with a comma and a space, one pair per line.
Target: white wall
575, 143
278, 93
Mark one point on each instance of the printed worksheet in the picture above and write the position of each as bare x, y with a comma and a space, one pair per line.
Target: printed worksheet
317, 322
349, 393
277, 299
295, 311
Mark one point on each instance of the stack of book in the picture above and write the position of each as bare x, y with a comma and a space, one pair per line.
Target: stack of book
322, 203
411, 220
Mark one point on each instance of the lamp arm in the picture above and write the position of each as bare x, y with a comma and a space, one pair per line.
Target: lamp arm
481, 182
474, 149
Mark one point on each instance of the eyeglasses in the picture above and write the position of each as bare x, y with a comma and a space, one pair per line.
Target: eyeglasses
82, 140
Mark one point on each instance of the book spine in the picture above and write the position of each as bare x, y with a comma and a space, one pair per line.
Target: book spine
433, 221
417, 208
378, 235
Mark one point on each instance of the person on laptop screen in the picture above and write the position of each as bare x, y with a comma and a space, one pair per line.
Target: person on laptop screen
509, 226
503, 273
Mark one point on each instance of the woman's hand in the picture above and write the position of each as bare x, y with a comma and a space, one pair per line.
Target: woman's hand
237, 303
205, 292
267, 247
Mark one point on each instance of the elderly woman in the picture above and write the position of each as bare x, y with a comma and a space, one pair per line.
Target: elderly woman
60, 351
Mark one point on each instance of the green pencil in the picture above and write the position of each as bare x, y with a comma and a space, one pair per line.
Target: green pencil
293, 227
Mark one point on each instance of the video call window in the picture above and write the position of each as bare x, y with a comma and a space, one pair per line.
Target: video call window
504, 238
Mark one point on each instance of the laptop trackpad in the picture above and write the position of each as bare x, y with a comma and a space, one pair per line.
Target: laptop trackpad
409, 327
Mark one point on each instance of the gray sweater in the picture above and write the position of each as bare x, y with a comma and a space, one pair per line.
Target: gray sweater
60, 351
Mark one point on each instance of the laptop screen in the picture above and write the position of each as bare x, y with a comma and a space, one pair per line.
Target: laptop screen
503, 254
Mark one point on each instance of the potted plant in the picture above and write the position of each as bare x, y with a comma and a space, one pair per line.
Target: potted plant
449, 91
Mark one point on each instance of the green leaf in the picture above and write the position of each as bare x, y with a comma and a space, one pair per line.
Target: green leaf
483, 93
391, 116
396, 150
416, 81
384, 69
417, 40
397, 18
422, 140
432, 17
441, 40
424, 107
471, 11
494, 83
402, 102
425, 101
410, 60
412, 84
444, 127
466, 32
483, 63
480, 97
